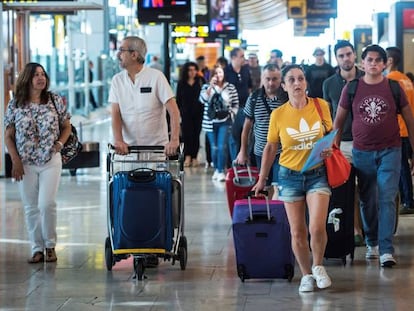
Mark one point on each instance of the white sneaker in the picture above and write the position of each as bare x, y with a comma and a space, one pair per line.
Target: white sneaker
321, 277
221, 177
387, 260
215, 175
372, 252
307, 283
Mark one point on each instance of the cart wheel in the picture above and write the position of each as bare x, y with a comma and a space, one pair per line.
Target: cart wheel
72, 172
139, 268
109, 257
182, 252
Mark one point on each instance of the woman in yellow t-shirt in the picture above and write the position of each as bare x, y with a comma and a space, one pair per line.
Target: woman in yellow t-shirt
297, 126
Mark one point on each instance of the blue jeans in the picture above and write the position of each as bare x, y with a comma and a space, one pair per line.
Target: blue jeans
218, 144
406, 183
378, 175
233, 147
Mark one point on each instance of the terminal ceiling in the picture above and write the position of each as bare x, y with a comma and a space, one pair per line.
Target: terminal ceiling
256, 15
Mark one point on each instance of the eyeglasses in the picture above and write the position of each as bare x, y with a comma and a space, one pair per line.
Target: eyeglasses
121, 50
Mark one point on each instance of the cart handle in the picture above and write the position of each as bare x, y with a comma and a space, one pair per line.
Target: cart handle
139, 148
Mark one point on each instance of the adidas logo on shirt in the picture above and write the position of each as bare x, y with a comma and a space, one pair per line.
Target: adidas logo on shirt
304, 135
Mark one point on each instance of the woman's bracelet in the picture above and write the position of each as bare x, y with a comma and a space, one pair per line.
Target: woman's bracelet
60, 143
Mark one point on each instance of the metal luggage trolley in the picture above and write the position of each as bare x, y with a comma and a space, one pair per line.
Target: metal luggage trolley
145, 208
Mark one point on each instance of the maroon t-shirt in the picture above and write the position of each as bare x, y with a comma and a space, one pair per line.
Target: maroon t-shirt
375, 125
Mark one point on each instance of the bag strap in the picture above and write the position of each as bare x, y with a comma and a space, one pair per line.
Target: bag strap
53, 101
269, 111
396, 93
352, 87
319, 109
253, 99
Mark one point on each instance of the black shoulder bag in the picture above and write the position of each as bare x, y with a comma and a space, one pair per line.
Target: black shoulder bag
72, 146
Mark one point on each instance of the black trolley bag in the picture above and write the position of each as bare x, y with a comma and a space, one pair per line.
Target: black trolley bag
340, 222
262, 239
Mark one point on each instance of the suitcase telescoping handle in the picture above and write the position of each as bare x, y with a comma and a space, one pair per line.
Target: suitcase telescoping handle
236, 172
250, 195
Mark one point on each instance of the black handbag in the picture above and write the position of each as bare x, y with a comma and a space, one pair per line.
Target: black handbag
72, 146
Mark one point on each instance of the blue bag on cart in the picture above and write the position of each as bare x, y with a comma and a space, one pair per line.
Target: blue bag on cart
141, 211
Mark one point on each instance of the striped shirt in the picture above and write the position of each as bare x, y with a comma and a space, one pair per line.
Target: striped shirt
260, 117
229, 93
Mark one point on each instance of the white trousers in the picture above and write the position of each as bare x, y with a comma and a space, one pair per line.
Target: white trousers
38, 191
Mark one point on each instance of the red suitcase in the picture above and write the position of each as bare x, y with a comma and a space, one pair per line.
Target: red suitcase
239, 181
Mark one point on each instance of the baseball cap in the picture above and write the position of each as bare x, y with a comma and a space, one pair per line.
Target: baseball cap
318, 50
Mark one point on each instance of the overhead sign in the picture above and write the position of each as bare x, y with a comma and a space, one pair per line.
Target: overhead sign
296, 8
189, 31
321, 9
312, 9
310, 26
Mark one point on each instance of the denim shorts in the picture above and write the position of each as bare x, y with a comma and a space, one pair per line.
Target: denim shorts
294, 185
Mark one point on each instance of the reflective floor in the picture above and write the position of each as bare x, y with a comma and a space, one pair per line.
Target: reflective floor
79, 279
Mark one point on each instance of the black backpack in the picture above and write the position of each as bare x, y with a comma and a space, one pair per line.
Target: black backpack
217, 108
394, 85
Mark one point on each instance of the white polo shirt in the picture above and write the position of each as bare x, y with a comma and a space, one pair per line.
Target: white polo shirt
142, 106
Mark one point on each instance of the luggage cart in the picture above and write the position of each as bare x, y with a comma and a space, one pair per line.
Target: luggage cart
145, 208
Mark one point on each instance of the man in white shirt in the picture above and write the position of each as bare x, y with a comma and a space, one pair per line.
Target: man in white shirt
140, 97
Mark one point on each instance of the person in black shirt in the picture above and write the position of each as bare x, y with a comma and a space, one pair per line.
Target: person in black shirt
317, 73
191, 111
237, 73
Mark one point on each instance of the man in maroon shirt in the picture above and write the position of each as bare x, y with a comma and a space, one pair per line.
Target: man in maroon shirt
376, 150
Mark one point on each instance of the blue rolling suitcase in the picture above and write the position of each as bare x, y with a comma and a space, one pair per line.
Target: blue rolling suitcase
262, 239
141, 211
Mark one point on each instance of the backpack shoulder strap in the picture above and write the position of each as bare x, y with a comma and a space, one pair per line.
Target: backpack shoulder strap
396, 93
253, 98
352, 87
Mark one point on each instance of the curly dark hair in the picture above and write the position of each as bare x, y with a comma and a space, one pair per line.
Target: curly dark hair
24, 85
184, 70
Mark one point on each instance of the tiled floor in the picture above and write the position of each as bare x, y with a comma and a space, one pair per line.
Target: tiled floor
79, 280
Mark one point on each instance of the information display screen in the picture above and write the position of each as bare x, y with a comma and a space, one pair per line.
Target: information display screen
174, 11
223, 17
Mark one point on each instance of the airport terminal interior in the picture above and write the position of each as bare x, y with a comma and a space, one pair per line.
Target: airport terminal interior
79, 280
65, 43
